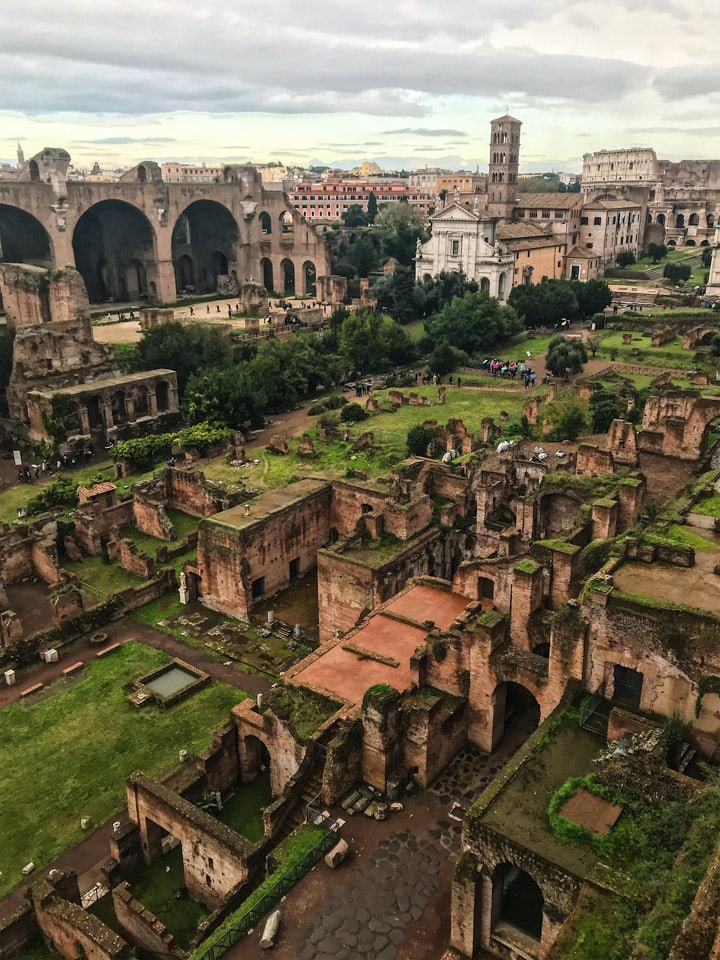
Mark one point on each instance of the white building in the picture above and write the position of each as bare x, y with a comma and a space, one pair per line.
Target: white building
463, 240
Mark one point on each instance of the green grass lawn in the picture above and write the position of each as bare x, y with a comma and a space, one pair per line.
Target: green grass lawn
708, 506
670, 354
157, 887
68, 756
107, 578
243, 812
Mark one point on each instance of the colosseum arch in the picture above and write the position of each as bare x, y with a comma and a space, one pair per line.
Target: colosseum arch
207, 233
112, 241
23, 239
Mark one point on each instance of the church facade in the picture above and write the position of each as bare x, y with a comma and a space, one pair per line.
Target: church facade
465, 240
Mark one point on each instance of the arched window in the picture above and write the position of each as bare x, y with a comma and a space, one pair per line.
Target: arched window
265, 224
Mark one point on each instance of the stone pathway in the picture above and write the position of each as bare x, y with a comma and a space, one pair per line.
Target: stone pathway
366, 919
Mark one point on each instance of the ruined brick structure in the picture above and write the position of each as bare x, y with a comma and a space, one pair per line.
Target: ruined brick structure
145, 239
60, 373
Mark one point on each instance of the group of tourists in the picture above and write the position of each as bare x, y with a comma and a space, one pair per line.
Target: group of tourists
512, 369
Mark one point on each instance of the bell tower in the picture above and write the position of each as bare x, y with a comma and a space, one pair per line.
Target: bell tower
503, 166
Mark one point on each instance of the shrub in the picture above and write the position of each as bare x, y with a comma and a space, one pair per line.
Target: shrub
353, 413
418, 440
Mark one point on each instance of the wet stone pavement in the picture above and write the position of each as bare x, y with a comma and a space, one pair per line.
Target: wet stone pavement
366, 919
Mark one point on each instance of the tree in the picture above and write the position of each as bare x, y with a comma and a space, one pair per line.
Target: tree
565, 356
545, 304
604, 408
657, 252
626, 258
567, 414
592, 296
354, 216
418, 440
184, 349
372, 207
706, 257
445, 358
677, 272
399, 226
473, 323
593, 342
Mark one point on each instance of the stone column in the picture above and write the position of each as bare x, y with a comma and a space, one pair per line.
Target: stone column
166, 292
152, 402
565, 560
130, 408
464, 935
84, 419
527, 589
604, 518
106, 410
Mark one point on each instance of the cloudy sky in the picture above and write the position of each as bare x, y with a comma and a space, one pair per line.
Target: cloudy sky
412, 83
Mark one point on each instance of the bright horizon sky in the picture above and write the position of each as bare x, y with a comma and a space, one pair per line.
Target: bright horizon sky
411, 85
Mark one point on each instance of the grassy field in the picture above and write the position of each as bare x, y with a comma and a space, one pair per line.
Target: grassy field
334, 458
18, 495
670, 354
68, 756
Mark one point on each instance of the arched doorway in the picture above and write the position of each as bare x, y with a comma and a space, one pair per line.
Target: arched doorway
185, 274
517, 902
23, 239
680, 220
288, 277
218, 265
255, 758
267, 274
111, 241
661, 219
309, 278
516, 713
484, 285
95, 416
206, 233
265, 224
693, 220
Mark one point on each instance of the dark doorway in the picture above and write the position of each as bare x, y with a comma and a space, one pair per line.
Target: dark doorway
517, 900
114, 248
628, 686
485, 588
162, 393
23, 239
208, 234
295, 568
258, 588
267, 274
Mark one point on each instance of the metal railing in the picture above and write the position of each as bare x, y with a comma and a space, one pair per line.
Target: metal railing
247, 917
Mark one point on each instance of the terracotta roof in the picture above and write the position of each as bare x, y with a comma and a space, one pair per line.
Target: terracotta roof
533, 243
522, 228
611, 205
557, 201
105, 487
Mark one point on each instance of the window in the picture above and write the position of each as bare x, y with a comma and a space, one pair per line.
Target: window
583, 221
546, 214
533, 214
597, 221
589, 246
558, 214
456, 248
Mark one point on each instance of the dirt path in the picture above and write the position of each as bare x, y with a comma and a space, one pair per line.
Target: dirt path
121, 633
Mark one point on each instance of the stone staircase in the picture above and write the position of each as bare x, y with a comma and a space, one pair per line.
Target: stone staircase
298, 815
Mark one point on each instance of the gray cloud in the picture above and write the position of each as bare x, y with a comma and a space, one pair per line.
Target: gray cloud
117, 141
691, 80
196, 66
425, 132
